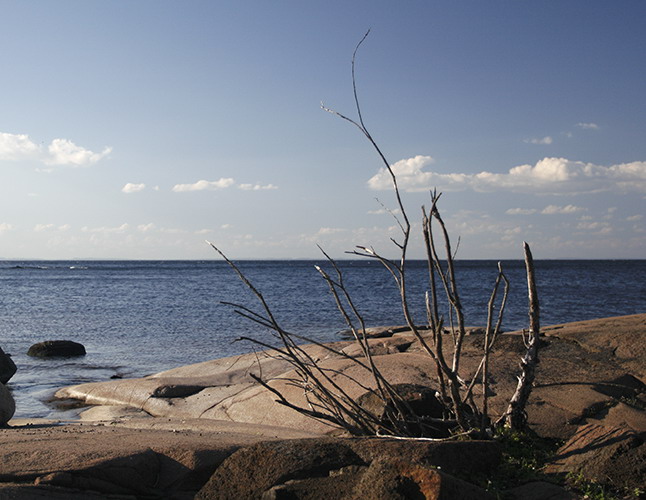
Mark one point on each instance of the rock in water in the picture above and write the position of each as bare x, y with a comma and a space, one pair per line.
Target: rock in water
7, 405
7, 367
56, 348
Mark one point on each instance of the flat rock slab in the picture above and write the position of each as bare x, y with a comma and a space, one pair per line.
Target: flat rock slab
159, 458
622, 337
586, 369
610, 455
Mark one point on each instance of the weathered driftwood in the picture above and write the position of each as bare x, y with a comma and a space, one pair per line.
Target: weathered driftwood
327, 400
516, 417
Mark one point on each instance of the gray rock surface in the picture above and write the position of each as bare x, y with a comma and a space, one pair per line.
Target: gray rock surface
56, 348
7, 367
578, 379
7, 405
366, 468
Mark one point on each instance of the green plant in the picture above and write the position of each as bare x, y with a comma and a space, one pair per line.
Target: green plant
524, 456
595, 491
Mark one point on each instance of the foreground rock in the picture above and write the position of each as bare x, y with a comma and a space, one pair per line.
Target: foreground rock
370, 468
579, 378
56, 348
590, 373
7, 405
7, 367
170, 459
610, 455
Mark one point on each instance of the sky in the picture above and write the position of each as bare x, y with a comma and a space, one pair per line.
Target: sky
138, 130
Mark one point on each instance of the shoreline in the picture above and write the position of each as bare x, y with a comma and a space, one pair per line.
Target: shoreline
189, 391
591, 382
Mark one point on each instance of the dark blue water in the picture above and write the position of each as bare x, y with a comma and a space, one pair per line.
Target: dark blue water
136, 318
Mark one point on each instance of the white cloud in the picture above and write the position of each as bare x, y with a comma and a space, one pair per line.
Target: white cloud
384, 211
520, 211
598, 227
568, 209
256, 187
411, 176
329, 230
103, 229
65, 152
17, 147
588, 126
4, 227
226, 226
542, 141
203, 185
43, 227
548, 176
634, 218
133, 188
146, 227
59, 152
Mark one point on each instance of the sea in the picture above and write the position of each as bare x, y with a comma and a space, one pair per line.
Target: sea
136, 318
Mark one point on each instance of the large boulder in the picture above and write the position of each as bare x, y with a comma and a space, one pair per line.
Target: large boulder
250, 472
7, 405
364, 468
56, 348
7, 367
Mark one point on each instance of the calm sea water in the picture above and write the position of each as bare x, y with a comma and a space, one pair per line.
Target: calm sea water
136, 318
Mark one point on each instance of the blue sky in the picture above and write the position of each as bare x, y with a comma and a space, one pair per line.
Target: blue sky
140, 129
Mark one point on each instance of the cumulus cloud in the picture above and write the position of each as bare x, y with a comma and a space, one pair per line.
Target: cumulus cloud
412, 177
43, 227
144, 228
4, 227
256, 187
203, 185
542, 141
19, 147
568, 209
222, 183
133, 188
595, 227
521, 211
548, 176
103, 229
65, 152
329, 230
588, 126
634, 218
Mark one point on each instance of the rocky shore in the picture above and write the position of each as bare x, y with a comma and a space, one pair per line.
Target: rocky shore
209, 431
